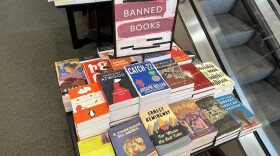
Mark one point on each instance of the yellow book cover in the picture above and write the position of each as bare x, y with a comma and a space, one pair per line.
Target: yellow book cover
99, 145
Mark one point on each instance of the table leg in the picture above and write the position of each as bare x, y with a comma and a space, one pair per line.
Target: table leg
72, 27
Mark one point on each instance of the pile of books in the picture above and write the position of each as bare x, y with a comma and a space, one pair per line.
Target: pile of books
178, 80
90, 111
222, 83
121, 96
152, 89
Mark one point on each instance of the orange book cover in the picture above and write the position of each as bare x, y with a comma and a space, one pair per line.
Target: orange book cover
179, 55
120, 63
88, 102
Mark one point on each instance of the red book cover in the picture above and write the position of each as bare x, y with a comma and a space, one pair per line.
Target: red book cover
88, 102
200, 81
96, 67
179, 55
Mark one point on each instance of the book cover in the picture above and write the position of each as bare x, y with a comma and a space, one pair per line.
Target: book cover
218, 78
120, 63
241, 114
192, 118
131, 139
217, 115
96, 67
97, 145
179, 55
146, 78
70, 75
87, 103
154, 57
106, 53
200, 81
164, 129
172, 73
116, 86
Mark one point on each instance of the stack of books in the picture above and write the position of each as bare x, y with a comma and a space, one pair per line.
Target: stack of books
152, 89
200, 129
69, 75
121, 96
94, 67
97, 145
90, 111
178, 80
155, 57
179, 55
202, 86
249, 123
165, 131
227, 127
222, 83
130, 138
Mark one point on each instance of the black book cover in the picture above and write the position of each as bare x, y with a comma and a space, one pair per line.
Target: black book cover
117, 86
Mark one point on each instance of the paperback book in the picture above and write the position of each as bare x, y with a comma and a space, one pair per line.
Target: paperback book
218, 116
164, 130
97, 145
131, 139
179, 55
120, 63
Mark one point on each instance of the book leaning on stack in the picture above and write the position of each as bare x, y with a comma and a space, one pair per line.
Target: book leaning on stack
249, 123
121, 96
90, 111
181, 85
222, 83
201, 130
165, 132
227, 127
152, 89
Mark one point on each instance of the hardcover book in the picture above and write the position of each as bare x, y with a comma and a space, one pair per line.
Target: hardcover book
131, 139
179, 55
70, 75
164, 129
241, 114
97, 145
201, 83
217, 77
146, 78
173, 74
218, 116
87, 103
193, 119
117, 87
96, 67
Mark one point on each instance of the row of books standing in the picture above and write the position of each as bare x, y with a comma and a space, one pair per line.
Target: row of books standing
119, 90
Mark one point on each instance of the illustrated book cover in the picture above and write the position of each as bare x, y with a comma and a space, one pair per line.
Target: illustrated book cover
173, 74
145, 78
117, 86
217, 77
96, 67
241, 114
88, 103
97, 145
164, 129
218, 116
192, 118
131, 139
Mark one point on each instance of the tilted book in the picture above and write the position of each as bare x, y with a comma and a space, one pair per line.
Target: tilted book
146, 79
217, 77
88, 103
218, 116
173, 74
164, 129
117, 87
96, 67
241, 114
130, 138
97, 145
70, 75
179, 55
193, 119
201, 83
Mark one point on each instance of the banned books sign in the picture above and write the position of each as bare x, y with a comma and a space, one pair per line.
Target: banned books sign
143, 26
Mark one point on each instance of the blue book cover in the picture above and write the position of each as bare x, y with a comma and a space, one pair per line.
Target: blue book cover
146, 78
131, 139
236, 109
